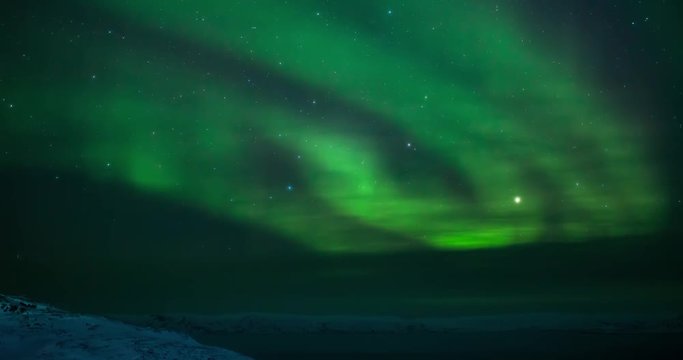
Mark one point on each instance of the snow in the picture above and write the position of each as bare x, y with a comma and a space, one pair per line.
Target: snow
36, 331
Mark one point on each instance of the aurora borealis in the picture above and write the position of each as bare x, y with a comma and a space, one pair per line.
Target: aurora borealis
328, 122
430, 152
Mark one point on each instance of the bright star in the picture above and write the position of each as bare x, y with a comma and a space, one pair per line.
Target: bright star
518, 199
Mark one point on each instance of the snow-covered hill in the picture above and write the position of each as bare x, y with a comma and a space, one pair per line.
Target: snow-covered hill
36, 331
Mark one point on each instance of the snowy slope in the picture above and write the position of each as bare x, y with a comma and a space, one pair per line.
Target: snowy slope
36, 331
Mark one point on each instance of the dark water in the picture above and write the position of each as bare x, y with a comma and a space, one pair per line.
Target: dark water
509, 345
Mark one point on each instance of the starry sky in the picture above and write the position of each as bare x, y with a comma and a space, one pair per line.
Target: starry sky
331, 147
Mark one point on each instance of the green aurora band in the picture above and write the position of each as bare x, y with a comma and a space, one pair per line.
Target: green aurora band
328, 125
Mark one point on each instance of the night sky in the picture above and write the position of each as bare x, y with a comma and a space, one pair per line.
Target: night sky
403, 157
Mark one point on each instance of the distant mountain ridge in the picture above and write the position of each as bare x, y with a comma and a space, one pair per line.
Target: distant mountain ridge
278, 323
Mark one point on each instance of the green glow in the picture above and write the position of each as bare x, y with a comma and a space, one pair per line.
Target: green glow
469, 97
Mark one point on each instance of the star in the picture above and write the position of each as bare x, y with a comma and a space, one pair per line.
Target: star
518, 199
